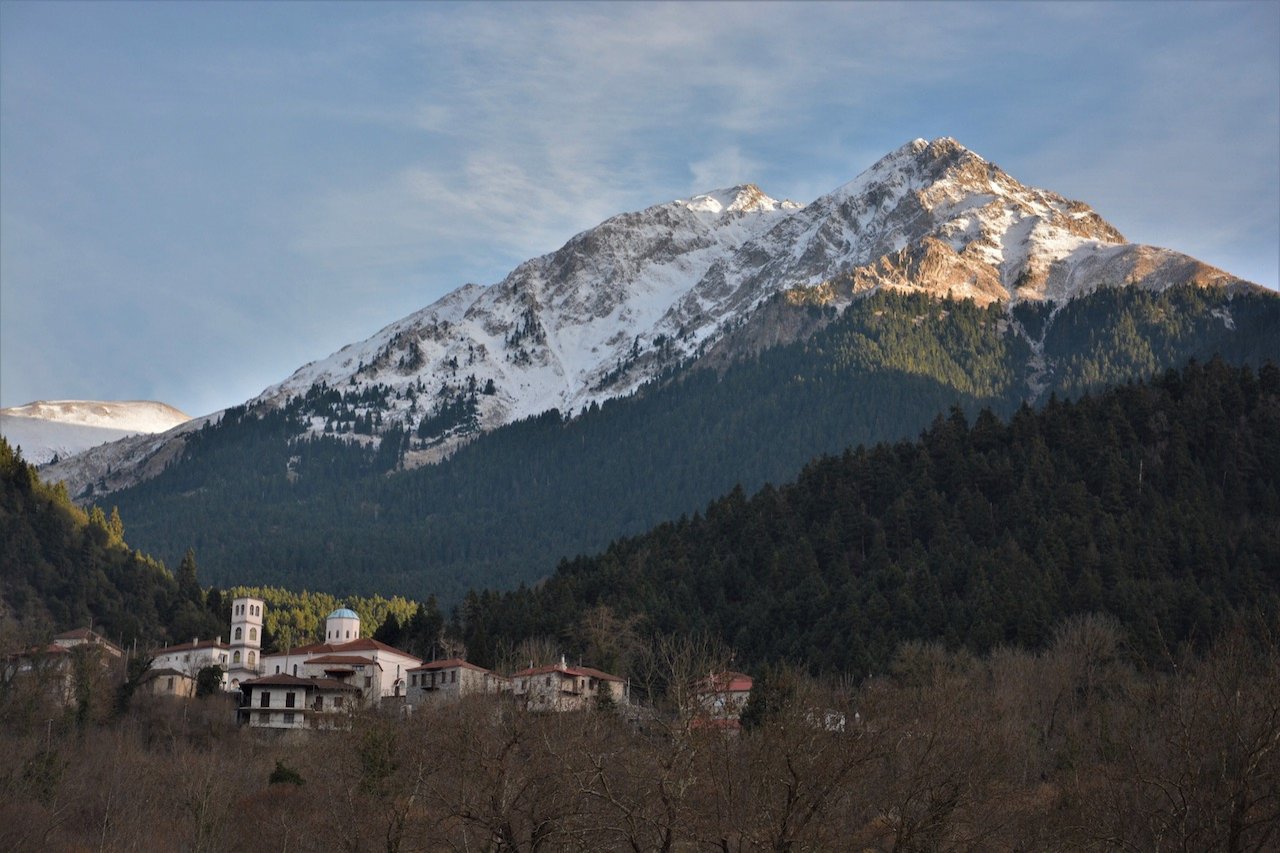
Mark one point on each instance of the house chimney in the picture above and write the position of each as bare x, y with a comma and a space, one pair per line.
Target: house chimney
562, 663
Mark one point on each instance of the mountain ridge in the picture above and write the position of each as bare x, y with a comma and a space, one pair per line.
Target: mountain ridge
48, 429
644, 291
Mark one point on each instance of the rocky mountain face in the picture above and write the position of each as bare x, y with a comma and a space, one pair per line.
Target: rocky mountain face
699, 278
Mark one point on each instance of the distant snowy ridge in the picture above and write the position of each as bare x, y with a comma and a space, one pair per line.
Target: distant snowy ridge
645, 291
63, 428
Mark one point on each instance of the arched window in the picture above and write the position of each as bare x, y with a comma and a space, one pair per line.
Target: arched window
235, 658
348, 635
253, 635
237, 633
295, 669
253, 658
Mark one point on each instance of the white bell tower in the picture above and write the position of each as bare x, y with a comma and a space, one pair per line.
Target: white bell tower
246, 637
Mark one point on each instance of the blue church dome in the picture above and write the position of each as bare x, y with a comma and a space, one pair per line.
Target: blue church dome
343, 613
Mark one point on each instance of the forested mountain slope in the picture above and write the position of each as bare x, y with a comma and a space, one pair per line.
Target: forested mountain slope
262, 507
620, 304
62, 568
1154, 502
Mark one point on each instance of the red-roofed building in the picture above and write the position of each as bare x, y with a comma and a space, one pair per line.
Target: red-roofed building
376, 669
722, 696
289, 702
560, 687
73, 658
192, 657
80, 636
450, 680
237, 659
168, 682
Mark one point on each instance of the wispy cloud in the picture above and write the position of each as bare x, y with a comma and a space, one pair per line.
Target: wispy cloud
546, 119
274, 181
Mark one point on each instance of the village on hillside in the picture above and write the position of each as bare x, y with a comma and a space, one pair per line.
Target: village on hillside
318, 685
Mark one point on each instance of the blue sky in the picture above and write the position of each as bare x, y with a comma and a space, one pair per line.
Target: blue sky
196, 199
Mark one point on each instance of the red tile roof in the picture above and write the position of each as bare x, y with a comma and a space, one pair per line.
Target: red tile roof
569, 671
283, 680
725, 682
364, 644
32, 651
86, 635
190, 647
349, 660
79, 634
451, 663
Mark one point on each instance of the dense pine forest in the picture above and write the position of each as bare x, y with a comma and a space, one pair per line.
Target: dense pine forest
260, 506
63, 568
1154, 502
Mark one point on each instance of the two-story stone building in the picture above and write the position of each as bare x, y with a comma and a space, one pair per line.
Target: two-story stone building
560, 687
450, 680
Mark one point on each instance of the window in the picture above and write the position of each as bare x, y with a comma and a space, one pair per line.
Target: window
264, 719
413, 681
171, 684
319, 703
277, 669
265, 700
348, 635
237, 633
295, 670
453, 676
288, 718
253, 658
235, 658
253, 635
337, 701
289, 699
368, 681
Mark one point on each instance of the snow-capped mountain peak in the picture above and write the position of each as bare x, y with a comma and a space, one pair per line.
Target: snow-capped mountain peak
642, 291
744, 198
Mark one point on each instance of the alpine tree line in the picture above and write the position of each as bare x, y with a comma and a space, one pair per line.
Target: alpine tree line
261, 505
